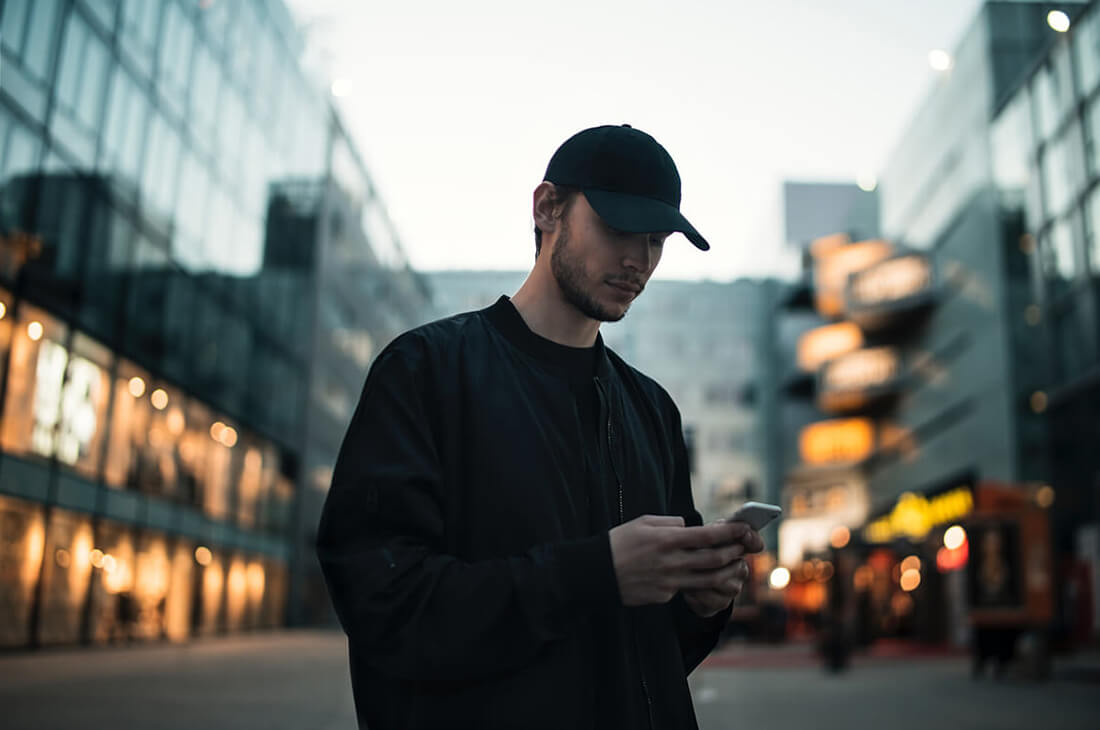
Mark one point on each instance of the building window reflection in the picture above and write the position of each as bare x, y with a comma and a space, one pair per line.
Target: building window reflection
82, 427
181, 592
114, 609
32, 408
130, 418
1092, 217
152, 577
210, 587
22, 540
66, 570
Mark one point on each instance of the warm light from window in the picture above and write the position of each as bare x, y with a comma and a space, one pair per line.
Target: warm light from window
821, 344
203, 556
1058, 20
159, 399
1045, 496
3, 310
910, 563
137, 387
1038, 401
780, 578
35, 330
96, 558
216, 429
175, 421
63, 558
840, 537
228, 436
940, 60
954, 537
109, 563
910, 579
866, 181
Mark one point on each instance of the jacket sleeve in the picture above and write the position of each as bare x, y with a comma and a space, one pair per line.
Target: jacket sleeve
412, 610
698, 635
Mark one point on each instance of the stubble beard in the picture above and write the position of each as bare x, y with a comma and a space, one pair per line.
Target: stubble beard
568, 270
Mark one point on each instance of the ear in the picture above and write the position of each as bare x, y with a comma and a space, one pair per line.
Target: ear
543, 207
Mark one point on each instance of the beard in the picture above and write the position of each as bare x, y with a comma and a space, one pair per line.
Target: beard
568, 270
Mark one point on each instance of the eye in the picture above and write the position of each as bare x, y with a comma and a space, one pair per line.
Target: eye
657, 239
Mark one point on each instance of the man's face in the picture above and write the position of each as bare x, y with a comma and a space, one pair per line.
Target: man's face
598, 269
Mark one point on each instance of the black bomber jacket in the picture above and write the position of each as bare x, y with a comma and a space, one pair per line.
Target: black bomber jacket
471, 593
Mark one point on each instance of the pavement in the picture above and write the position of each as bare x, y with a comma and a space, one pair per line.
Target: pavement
299, 679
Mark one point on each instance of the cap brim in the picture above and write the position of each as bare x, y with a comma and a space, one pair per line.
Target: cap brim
637, 214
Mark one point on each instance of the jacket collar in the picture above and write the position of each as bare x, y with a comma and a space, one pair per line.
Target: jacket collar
569, 361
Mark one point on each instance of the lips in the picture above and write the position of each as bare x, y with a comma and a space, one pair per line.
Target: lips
626, 286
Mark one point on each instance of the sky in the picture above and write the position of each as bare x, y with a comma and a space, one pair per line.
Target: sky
456, 107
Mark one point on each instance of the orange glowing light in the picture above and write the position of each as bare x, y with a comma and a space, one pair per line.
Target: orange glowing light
837, 441
840, 537
821, 344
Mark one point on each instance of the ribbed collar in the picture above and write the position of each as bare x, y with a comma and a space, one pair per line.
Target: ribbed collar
577, 364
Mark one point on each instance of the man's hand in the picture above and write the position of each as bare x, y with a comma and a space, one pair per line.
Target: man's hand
708, 601
655, 557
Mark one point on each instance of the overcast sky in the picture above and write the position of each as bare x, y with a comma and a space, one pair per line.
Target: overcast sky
457, 106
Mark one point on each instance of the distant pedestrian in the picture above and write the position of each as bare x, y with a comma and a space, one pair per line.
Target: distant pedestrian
510, 539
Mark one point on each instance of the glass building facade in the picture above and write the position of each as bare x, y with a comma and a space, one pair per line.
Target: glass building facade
190, 252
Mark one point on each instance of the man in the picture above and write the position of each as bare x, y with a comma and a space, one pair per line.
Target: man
510, 539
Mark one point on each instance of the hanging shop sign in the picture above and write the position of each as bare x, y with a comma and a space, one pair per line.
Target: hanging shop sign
856, 379
914, 515
835, 264
889, 290
840, 441
821, 344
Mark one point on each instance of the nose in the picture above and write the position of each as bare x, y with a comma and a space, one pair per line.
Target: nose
639, 254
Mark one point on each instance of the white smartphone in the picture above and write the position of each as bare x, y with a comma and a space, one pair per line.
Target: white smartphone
755, 514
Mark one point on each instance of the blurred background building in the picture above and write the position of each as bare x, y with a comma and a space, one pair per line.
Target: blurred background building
195, 272
954, 365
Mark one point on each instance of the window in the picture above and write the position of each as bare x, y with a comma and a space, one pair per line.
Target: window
1011, 147
82, 426
161, 166
66, 572
1092, 220
1059, 259
191, 219
1092, 141
29, 31
36, 373
177, 609
212, 581
1062, 171
1053, 92
204, 91
114, 613
1086, 48
127, 114
152, 575
236, 586
82, 76
22, 540
146, 425
175, 52
140, 23
104, 11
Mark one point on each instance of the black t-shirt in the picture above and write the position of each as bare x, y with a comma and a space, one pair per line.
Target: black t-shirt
578, 366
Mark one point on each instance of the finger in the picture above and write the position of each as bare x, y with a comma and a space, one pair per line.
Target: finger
663, 520
709, 559
753, 542
721, 533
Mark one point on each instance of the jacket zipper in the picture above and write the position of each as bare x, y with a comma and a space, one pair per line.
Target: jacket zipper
622, 519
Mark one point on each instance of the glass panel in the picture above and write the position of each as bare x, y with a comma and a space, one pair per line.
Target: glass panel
22, 540
104, 11
96, 62
14, 24
1060, 264
212, 579
127, 112
1092, 214
37, 369
83, 423
1092, 134
181, 592
127, 459
217, 474
204, 94
175, 57
65, 575
114, 614
255, 578
109, 241
274, 594
159, 184
41, 36
1053, 91
1086, 47
1058, 187
152, 573
195, 443
250, 482
236, 598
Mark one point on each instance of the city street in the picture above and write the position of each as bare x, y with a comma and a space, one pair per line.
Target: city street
299, 680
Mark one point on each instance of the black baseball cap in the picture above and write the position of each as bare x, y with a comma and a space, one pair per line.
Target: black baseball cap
628, 178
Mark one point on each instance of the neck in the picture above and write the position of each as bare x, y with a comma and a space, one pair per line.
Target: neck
549, 314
